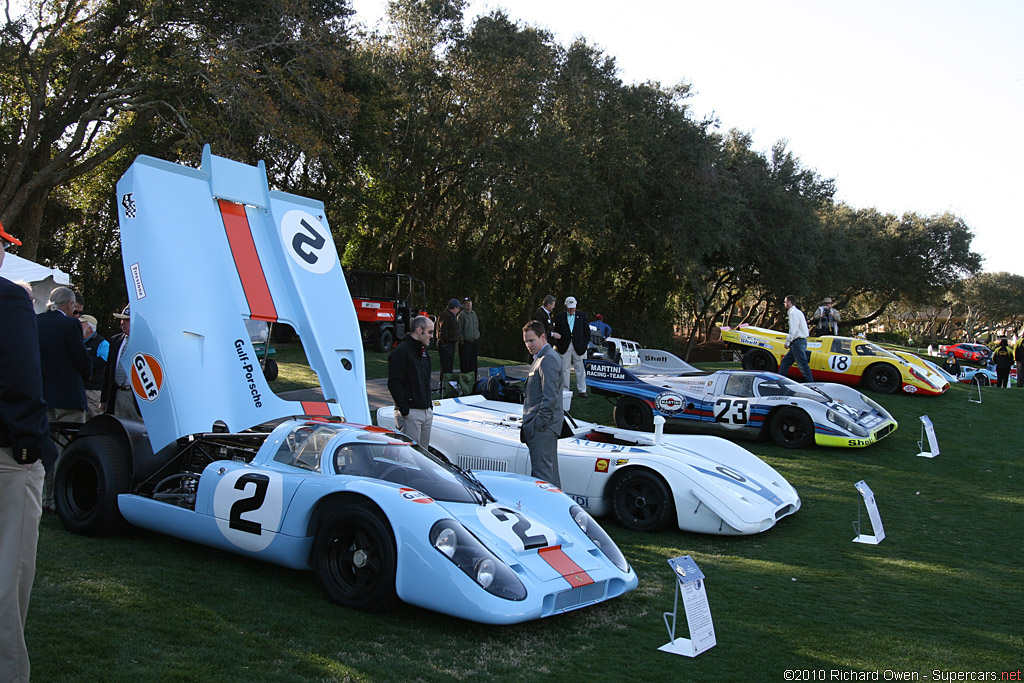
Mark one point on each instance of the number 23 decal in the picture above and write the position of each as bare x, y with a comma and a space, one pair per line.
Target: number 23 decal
734, 412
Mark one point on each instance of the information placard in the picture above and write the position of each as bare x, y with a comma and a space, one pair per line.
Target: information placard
928, 433
876, 519
690, 582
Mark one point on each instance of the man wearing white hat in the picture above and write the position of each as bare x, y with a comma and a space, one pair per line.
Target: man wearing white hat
118, 397
572, 334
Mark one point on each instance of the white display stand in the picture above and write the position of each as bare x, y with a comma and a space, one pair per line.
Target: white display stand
690, 580
876, 519
928, 432
970, 393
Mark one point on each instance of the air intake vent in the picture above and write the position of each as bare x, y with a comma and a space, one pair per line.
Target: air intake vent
474, 462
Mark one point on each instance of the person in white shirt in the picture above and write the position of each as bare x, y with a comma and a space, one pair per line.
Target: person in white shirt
796, 341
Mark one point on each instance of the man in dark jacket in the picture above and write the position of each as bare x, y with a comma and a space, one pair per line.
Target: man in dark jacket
572, 334
543, 315
98, 348
23, 437
65, 362
449, 334
409, 381
1003, 359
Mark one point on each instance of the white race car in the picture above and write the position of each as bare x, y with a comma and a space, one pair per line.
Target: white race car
704, 484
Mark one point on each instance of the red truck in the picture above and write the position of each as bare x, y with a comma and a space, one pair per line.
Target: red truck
385, 304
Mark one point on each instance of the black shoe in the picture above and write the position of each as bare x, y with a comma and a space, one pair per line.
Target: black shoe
583, 395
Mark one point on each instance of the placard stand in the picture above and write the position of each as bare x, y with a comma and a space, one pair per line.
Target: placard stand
689, 581
928, 430
868, 498
970, 392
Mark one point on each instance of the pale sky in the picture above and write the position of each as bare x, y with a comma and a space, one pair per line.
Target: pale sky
911, 105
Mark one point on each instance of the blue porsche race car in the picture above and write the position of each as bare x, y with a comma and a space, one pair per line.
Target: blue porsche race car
221, 460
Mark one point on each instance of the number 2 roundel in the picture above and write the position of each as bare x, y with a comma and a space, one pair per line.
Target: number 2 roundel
247, 505
308, 242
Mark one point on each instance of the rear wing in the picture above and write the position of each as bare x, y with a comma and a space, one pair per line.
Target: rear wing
204, 251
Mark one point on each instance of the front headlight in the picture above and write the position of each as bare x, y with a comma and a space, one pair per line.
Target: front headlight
845, 422
598, 536
456, 543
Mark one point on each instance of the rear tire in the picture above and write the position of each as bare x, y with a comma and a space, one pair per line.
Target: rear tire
792, 428
90, 475
760, 360
641, 501
882, 378
355, 560
983, 380
632, 413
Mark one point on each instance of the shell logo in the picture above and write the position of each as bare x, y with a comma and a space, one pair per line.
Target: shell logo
601, 465
147, 376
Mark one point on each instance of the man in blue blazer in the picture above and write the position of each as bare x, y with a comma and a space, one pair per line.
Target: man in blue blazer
542, 405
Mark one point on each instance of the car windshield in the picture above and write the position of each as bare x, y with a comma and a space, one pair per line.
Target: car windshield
874, 350
780, 386
394, 457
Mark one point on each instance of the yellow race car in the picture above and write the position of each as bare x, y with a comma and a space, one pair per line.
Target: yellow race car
845, 360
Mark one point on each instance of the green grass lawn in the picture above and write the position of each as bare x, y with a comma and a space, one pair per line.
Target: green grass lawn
941, 592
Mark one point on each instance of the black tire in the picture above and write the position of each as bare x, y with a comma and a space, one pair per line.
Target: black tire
761, 360
641, 501
981, 379
882, 378
384, 341
270, 369
792, 428
90, 475
632, 413
355, 560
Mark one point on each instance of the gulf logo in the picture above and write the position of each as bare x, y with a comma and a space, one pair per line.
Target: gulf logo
147, 376
547, 487
415, 496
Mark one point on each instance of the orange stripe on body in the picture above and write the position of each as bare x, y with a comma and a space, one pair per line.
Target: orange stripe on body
315, 408
247, 262
563, 564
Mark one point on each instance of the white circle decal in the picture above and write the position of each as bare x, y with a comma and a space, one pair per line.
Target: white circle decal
247, 507
308, 242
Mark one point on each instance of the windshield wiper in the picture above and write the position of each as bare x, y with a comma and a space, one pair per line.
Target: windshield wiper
475, 485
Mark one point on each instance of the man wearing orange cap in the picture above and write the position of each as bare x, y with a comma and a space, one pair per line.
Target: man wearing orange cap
23, 436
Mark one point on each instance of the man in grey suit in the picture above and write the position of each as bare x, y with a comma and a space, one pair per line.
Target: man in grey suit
542, 405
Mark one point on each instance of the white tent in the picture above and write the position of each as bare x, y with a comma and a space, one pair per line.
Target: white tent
42, 279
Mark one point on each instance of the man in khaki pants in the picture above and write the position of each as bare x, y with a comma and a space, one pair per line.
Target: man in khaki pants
23, 435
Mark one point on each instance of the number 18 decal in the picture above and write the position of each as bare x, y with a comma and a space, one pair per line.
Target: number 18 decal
839, 363
247, 506
308, 242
